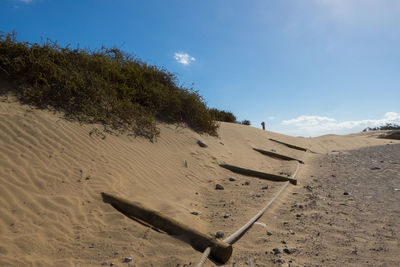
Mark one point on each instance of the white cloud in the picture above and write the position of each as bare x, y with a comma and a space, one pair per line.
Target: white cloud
317, 125
183, 58
304, 120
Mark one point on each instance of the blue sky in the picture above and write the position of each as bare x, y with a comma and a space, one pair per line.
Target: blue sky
305, 67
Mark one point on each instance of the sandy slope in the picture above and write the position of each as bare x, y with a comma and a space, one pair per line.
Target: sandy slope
52, 172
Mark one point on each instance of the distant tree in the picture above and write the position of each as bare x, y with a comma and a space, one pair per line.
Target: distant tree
388, 126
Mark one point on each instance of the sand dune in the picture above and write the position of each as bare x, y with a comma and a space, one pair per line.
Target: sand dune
52, 172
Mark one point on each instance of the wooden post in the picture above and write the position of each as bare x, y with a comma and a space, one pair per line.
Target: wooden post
262, 175
276, 155
220, 251
289, 145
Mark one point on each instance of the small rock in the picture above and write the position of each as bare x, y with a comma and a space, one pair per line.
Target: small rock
194, 213
333, 175
283, 242
127, 259
277, 251
219, 187
91, 246
232, 179
246, 183
258, 195
269, 233
265, 187
346, 193
375, 168
104, 263
201, 143
227, 215
219, 234
222, 143
308, 187
298, 215
289, 251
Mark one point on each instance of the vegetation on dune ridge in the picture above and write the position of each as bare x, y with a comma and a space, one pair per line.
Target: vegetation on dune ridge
222, 115
388, 126
105, 86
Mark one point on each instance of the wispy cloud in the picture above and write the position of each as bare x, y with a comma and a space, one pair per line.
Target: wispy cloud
183, 58
318, 125
304, 120
24, 1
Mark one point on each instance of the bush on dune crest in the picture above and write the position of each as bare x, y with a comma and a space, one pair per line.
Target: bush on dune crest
222, 115
104, 86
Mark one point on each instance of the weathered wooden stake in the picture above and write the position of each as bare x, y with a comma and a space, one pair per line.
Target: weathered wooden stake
220, 251
289, 145
276, 155
262, 175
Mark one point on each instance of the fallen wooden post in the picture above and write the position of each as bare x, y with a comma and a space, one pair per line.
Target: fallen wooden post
276, 155
262, 175
220, 251
289, 145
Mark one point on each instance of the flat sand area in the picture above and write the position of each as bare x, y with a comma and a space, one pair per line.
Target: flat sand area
343, 212
346, 213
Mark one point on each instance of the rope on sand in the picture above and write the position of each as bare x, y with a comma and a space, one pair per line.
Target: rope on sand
234, 237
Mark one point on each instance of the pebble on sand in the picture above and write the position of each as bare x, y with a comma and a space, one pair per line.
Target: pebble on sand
201, 143
219, 187
127, 259
219, 234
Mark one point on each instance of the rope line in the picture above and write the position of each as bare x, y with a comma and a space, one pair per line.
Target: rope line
233, 237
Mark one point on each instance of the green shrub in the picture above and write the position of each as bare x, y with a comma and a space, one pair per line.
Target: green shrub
105, 86
245, 122
222, 115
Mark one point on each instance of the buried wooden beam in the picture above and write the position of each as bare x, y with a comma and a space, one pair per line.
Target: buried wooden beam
276, 155
262, 175
289, 145
220, 251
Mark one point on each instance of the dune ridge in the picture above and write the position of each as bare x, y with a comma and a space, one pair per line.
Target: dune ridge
52, 172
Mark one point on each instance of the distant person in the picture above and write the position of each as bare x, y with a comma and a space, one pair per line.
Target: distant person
263, 125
